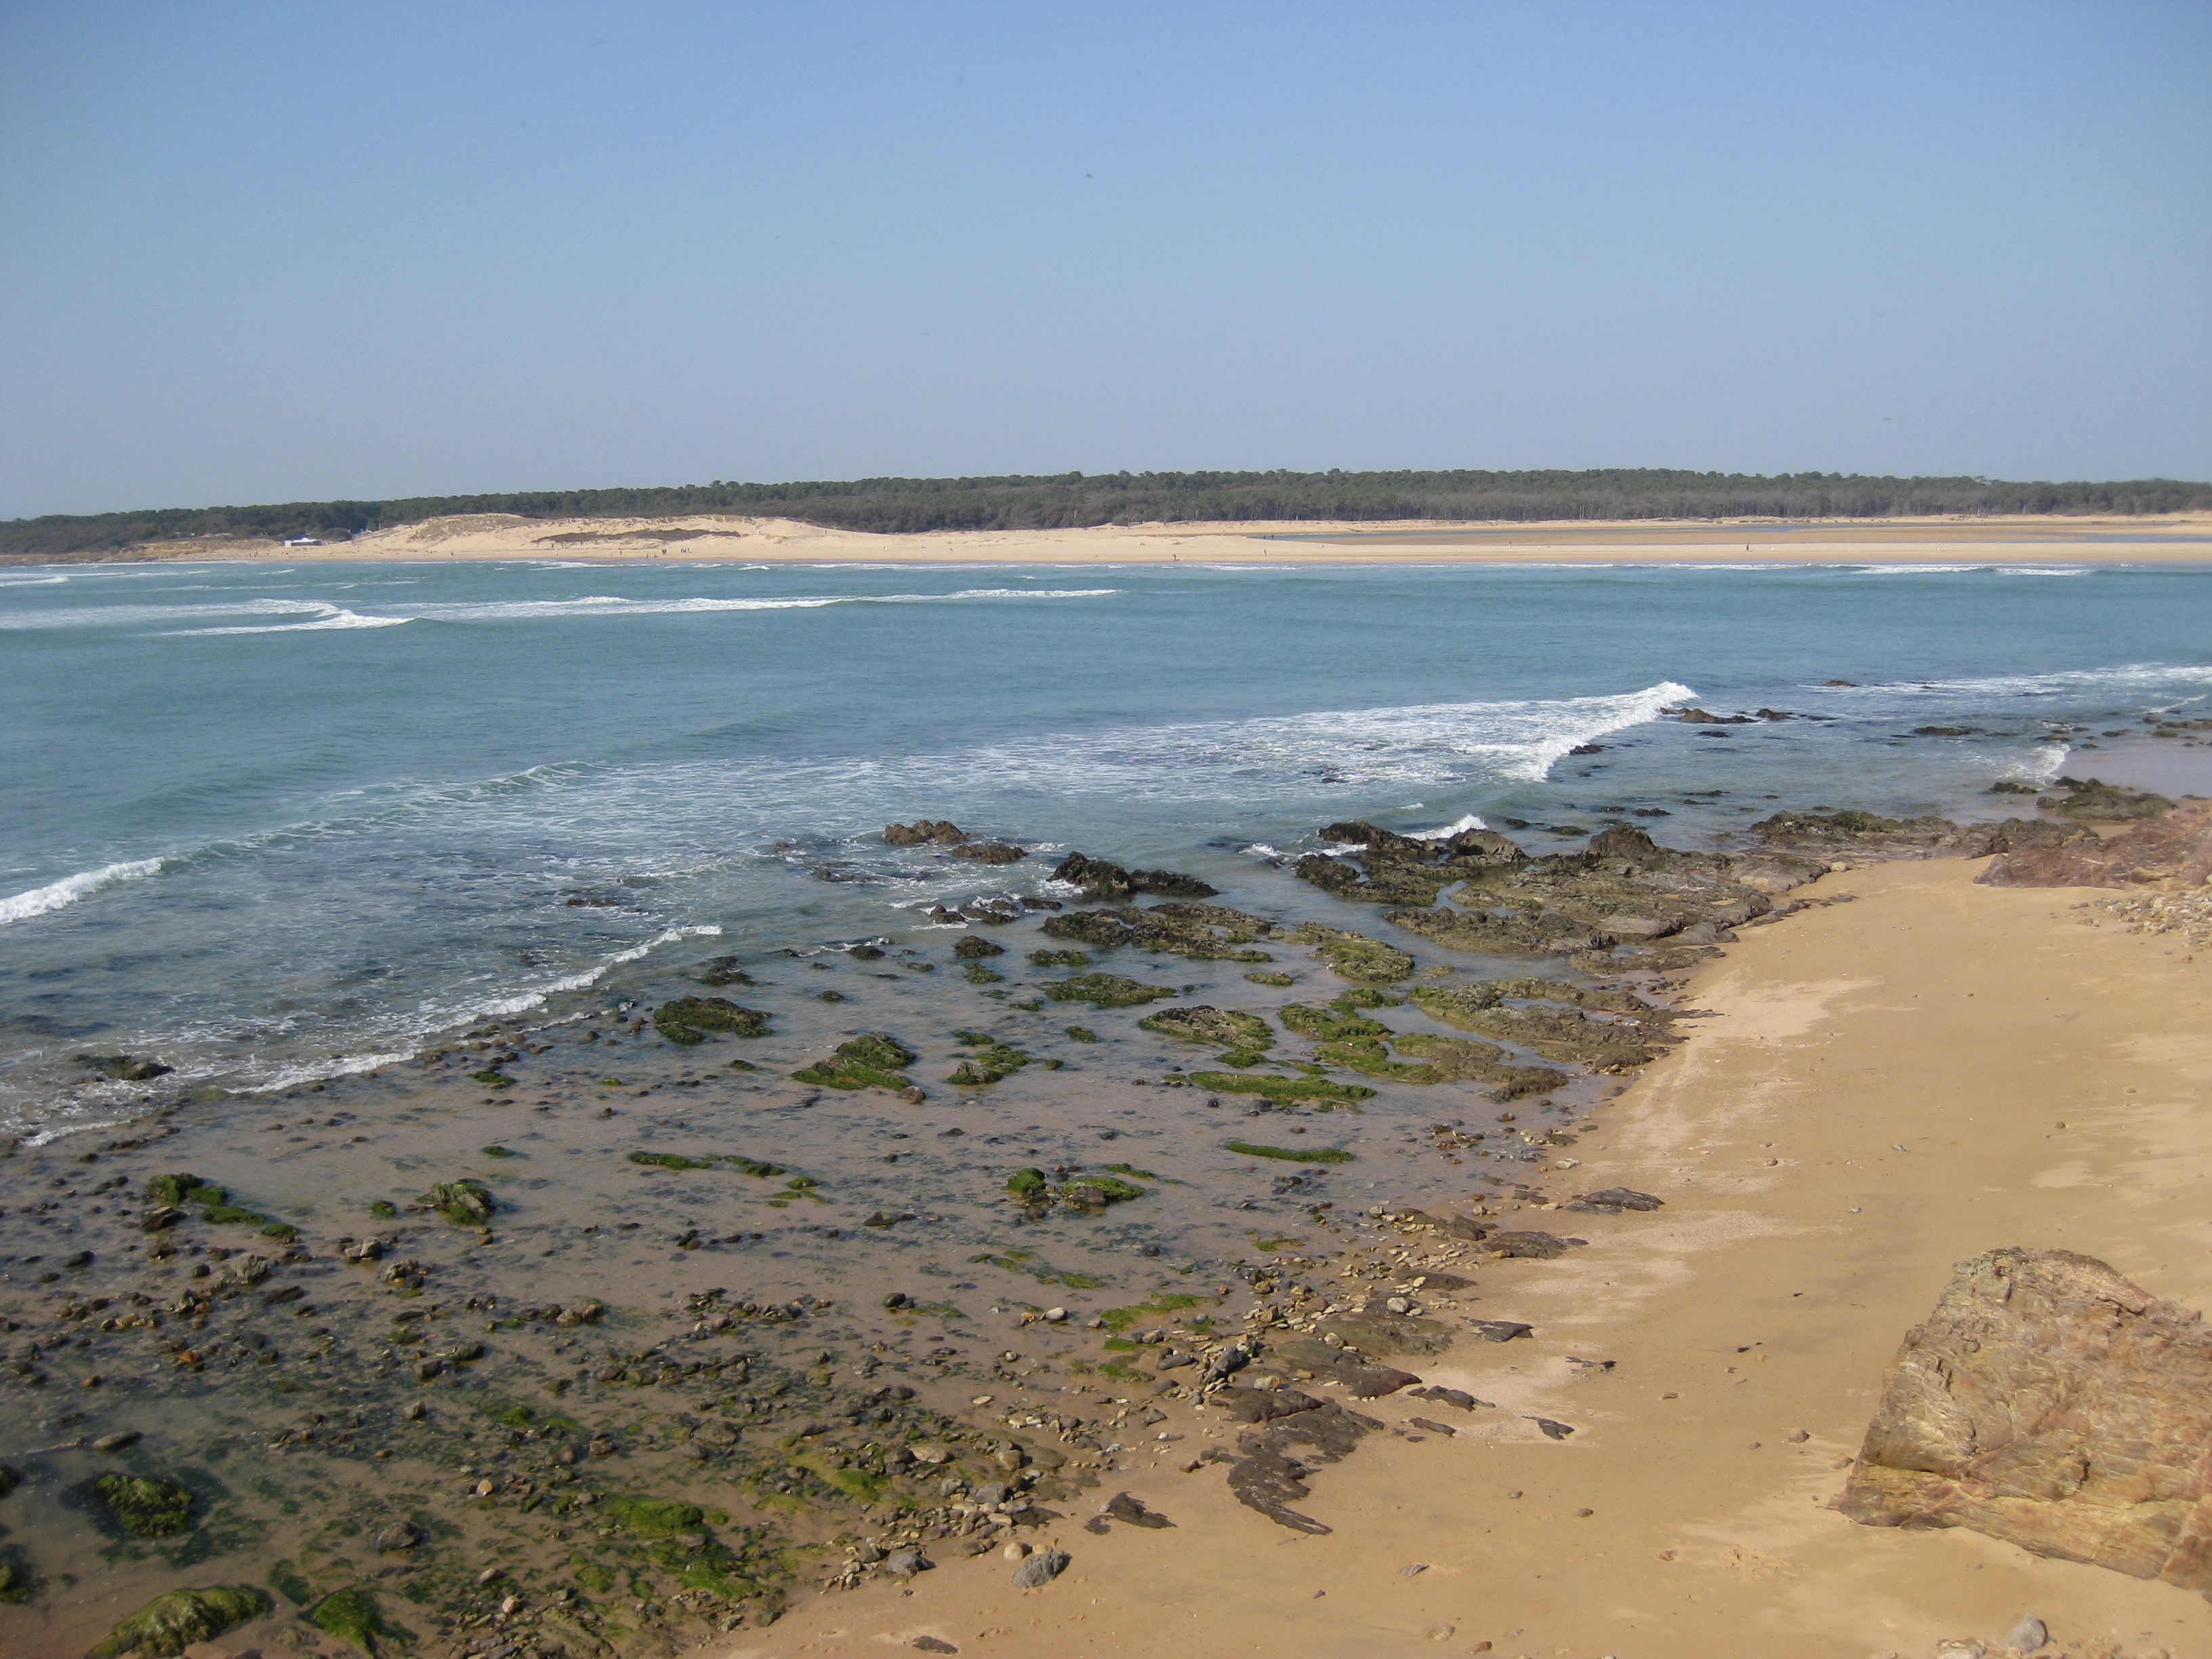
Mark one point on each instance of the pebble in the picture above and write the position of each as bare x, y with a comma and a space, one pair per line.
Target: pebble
1015, 1551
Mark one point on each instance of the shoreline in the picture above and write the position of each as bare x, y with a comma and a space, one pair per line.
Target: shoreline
1790, 1276
600, 1300
2024, 540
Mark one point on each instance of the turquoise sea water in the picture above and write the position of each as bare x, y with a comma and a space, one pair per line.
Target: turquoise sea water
264, 823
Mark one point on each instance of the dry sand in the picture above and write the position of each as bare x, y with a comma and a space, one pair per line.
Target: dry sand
1888, 1087
2027, 540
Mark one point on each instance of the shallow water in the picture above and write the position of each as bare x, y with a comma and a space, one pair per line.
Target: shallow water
266, 824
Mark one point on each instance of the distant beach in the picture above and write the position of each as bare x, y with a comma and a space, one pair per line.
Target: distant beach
2181, 538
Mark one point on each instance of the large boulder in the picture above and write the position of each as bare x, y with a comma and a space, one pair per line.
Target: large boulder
2176, 847
2050, 1402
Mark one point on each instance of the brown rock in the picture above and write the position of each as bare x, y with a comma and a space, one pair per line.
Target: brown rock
2177, 846
990, 851
924, 831
2049, 1402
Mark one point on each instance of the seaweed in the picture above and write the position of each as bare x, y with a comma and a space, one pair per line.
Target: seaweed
689, 1020
1061, 958
146, 1506
1106, 991
352, 1615
169, 1624
1282, 1088
1293, 1154
465, 1202
1354, 956
869, 1061
1225, 1028
974, 946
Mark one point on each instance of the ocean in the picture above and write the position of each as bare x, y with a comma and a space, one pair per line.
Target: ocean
266, 824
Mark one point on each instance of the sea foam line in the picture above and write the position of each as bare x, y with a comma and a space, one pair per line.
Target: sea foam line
38, 901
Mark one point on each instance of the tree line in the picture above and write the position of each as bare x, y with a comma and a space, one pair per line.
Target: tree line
1076, 500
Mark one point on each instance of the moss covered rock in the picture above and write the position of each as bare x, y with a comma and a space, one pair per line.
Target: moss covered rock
974, 947
869, 1061
465, 1203
1291, 1154
1282, 1088
1354, 956
1460, 1060
1106, 991
654, 1517
352, 1616
169, 1624
1221, 1028
146, 1506
689, 1020
1204, 933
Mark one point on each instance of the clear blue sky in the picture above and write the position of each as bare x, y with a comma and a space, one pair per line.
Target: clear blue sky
275, 252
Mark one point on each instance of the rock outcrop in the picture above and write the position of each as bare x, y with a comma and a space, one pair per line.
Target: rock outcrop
2050, 1402
1102, 880
2176, 847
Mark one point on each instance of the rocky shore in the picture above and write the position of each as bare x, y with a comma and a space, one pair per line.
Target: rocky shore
625, 1326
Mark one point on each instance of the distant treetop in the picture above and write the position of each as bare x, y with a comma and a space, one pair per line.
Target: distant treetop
1074, 500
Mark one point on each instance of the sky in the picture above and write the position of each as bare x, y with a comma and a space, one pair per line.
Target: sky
286, 252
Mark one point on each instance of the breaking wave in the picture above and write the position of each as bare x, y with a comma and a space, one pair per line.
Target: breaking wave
68, 890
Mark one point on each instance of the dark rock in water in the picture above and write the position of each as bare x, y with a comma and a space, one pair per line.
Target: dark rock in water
169, 1624
2176, 847
1102, 880
1106, 991
1388, 1333
1706, 717
974, 947
1219, 1028
1124, 1508
990, 851
1501, 1330
923, 832
1037, 1571
1259, 1404
1533, 1246
723, 970
2050, 1402
125, 1068
1612, 1200
1204, 933
402, 1535
687, 1020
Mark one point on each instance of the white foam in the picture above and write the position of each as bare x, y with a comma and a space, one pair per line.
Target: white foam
2043, 570
1470, 822
337, 617
706, 930
68, 890
2128, 678
31, 581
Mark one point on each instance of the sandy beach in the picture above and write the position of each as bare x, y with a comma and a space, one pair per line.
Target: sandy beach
2183, 538
1887, 1087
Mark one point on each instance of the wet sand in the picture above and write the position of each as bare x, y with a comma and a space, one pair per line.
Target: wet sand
2178, 538
1890, 1086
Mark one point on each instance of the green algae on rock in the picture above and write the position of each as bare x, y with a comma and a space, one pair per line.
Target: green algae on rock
1355, 956
1282, 1088
352, 1615
465, 1203
1268, 976
1106, 991
974, 946
654, 1517
1326, 1025
1082, 1034
492, 1079
1293, 1154
146, 1506
871, 1060
1088, 1191
1221, 1028
724, 970
1456, 1059
689, 1020
996, 1061
169, 1624
1556, 1033
1061, 958
1203, 932
1030, 1186
977, 974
